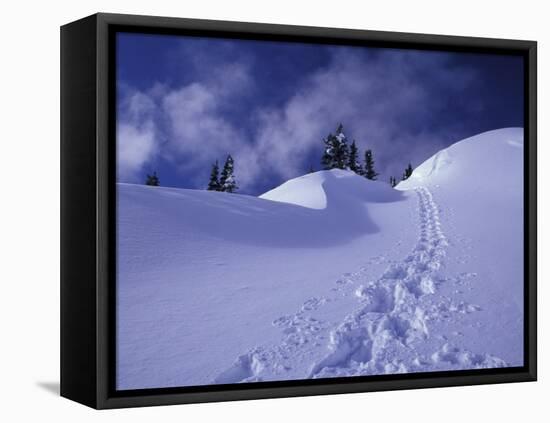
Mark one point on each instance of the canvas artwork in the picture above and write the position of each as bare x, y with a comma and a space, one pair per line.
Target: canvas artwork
290, 211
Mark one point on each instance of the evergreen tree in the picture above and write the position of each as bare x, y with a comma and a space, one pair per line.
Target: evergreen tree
408, 172
214, 182
336, 152
369, 171
327, 159
342, 150
353, 163
227, 178
393, 181
152, 180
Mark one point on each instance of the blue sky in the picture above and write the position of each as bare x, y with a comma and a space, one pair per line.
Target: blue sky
184, 102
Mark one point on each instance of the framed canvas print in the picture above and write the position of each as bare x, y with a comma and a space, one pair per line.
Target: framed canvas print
255, 211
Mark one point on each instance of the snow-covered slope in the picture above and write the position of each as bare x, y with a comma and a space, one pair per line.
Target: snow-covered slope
202, 275
327, 275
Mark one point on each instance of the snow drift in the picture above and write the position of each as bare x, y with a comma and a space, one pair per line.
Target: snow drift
343, 188
327, 275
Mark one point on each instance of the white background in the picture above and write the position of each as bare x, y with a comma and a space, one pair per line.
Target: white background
29, 95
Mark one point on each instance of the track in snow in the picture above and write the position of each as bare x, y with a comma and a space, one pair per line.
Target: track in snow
383, 335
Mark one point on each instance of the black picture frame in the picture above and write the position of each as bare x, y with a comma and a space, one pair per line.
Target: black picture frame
88, 211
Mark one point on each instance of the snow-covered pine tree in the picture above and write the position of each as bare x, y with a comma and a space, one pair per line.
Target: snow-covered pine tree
327, 160
353, 162
152, 180
342, 152
408, 172
227, 178
214, 182
369, 171
336, 152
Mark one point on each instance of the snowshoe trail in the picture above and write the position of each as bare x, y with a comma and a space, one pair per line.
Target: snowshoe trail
387, 333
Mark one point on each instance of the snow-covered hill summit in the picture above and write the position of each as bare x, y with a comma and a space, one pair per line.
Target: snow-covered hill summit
490, 162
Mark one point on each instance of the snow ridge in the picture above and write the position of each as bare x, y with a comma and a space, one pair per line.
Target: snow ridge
385, 335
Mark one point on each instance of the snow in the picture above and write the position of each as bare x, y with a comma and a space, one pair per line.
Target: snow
327, 275
306, 191
311, 191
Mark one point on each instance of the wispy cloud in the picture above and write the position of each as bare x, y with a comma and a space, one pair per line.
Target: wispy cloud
388, 101
381, 98
137, 138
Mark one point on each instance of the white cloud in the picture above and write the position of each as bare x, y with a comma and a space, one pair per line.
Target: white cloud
379, 99
137, 139
135, 146
196, 125
198, 130
186, 125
